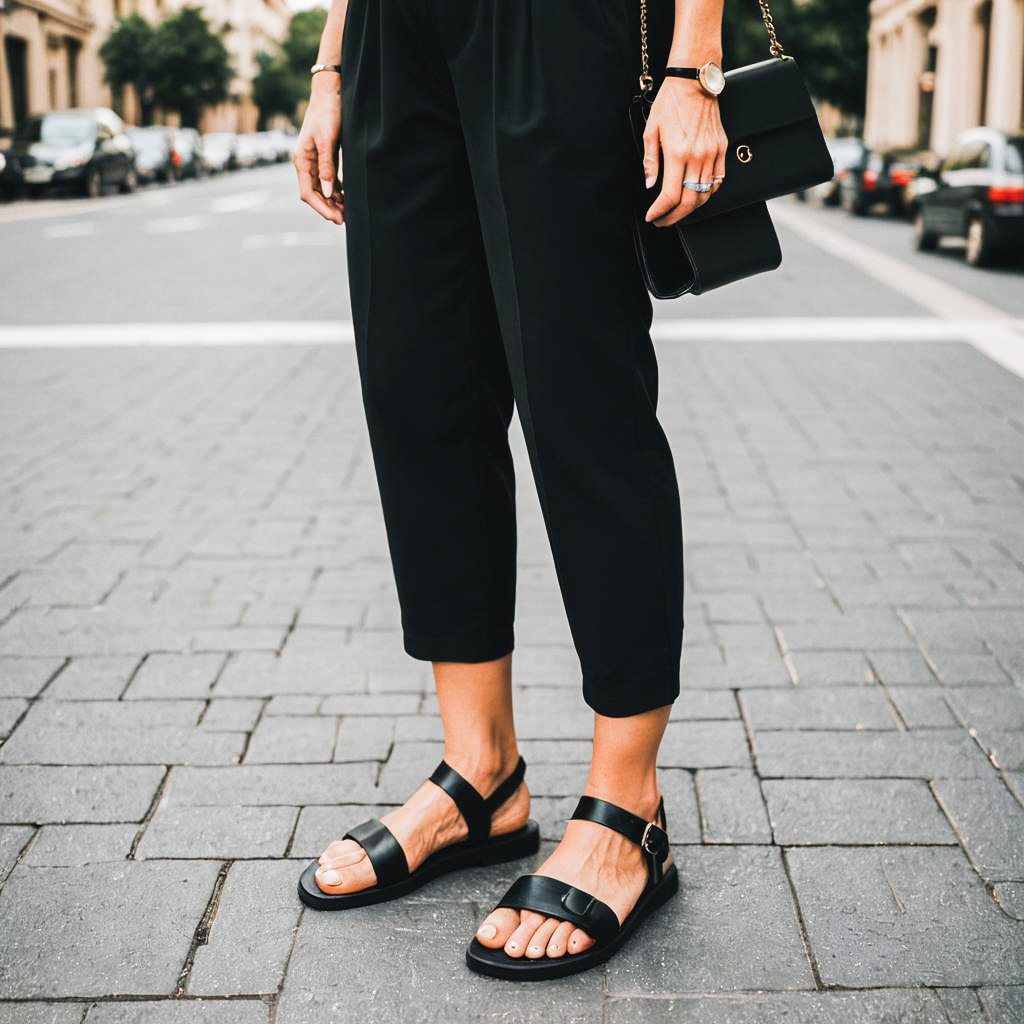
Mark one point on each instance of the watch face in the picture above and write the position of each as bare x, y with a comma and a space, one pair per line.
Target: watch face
712, 78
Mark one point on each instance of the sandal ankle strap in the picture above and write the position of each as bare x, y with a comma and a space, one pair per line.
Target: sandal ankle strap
650, 836
476, 809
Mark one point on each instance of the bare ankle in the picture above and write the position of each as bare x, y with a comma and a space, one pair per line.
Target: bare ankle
641, 796
485, 766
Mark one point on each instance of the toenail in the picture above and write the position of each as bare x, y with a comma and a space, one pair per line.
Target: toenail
487, 931
535, 949
513, 945
553, 947
331, 877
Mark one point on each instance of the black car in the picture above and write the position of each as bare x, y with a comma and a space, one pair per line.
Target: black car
978, 196
11, 180
153, 153
879, 178
82, 150
847, 152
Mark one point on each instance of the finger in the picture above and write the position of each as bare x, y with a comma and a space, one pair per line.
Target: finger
718, 170
673, 165
686, 201
651, 152
707, 172
327, 167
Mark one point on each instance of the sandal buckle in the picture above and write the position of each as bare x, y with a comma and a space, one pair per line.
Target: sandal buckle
655, 840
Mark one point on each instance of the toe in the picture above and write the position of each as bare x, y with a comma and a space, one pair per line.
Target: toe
338, 848
349, 879
579, 941
560, 939
529, 922
539, 943
497, 927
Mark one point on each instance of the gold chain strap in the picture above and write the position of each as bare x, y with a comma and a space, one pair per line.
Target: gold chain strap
647, 82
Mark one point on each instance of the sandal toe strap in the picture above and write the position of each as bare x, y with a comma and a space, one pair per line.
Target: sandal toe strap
559, 899
383, 850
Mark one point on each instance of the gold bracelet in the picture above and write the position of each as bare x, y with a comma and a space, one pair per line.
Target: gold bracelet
325, 67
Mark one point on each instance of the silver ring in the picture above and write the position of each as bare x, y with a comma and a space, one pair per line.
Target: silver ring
698, 186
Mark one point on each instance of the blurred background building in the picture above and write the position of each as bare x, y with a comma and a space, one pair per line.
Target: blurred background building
937, 67
50, 58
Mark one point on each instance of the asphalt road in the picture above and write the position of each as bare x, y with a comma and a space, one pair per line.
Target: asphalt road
241, 249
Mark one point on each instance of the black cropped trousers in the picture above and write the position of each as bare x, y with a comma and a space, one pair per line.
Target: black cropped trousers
487, 166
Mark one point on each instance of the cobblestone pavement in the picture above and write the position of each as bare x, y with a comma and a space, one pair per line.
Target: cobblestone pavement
202, 683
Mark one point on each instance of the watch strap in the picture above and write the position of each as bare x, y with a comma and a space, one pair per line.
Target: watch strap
682, 72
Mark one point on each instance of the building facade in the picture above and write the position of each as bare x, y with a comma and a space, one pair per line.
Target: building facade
50, 60
936, 67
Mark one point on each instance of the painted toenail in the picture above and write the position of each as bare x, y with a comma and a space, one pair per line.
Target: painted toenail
487, 931
513, 945
553, 947
535, 949
331, 877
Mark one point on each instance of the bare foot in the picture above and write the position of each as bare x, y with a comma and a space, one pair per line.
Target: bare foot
590, 857
426, 822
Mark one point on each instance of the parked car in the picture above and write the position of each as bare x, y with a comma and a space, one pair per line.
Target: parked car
154, 155
847, 152
188, 153
220, 151
978, 196
249, 150
85, 149
282, 143
880, 178
12, 182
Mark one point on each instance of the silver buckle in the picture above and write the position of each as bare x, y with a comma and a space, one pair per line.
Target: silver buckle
643, 840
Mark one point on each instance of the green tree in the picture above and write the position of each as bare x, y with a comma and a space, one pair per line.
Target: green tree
828, 37
191, 66
274, 88
303, 40
127, 54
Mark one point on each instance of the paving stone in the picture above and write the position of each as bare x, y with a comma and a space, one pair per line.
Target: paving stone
976, 669
288, 785
903, 916
831, 668
989, 707
365, 738
704, 745
854, 812
25, 677
961, 1005
44, 793
92, 679
231, 715
371, 704
1004, 746
292, 740
40, 1013
989, 823
348, 963
1003, 1005
252, 931
175, 675
935, 754
11, 709
837, 707
208, 832
1010, 897
922, 707
733, 927
901, 668
268, 675
698, 705
878, 1007
292, 706
874, 630
55, 913
13, 839
65, 846
94, 732
181, 1011
731, 806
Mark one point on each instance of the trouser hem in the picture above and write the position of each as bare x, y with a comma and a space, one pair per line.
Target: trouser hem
470, 648
623, 696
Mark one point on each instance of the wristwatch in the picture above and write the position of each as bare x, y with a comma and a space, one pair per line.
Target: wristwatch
710, 76
325, 67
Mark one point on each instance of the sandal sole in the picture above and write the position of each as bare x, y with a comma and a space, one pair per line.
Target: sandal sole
496, 963
524, 842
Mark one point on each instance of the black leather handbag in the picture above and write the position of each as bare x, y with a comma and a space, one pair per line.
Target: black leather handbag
775, 147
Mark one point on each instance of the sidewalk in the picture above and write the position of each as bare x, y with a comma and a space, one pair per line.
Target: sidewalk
201, 661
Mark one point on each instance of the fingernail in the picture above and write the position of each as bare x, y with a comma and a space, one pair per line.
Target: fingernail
650, 180
325, 188
331, 877
487, 931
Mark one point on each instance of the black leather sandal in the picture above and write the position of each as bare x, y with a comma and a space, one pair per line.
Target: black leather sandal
553, 898
394, 878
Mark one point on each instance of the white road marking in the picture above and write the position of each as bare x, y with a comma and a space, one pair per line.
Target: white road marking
76, 229
287, 240
233, 202
266, 332
174, 225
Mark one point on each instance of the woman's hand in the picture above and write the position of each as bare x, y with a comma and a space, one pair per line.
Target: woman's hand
316, 152
684, 124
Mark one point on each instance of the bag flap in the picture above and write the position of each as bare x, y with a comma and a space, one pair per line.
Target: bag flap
761, 97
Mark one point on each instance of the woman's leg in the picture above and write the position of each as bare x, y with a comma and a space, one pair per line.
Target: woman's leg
479, 743
590, 856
